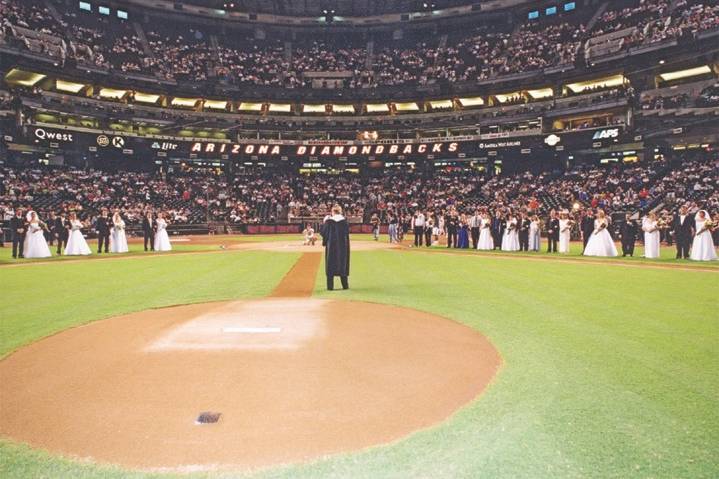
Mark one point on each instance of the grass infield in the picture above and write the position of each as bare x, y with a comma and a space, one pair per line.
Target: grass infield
608, 371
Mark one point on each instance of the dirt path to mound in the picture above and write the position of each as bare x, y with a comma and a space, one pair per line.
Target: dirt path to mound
293, 378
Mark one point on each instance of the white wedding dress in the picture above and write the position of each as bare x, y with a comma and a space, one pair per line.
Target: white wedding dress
564, 236
600, 242
162, 241
486, 242
35, 244
76, 244
651, 239
118, 238
510, 239
703, 244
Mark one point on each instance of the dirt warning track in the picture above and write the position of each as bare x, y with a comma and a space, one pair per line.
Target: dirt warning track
293, 378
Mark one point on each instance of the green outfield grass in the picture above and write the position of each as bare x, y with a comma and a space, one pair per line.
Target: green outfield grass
609, 371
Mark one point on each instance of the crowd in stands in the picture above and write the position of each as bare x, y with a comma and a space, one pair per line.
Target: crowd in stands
184, 52
260, 197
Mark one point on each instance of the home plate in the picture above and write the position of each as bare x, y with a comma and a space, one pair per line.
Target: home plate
251, 330
269, 324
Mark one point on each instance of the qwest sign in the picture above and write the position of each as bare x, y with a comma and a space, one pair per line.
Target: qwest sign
262, 149
49, 135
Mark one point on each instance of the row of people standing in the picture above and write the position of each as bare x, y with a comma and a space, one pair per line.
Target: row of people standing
30, 235
522, 232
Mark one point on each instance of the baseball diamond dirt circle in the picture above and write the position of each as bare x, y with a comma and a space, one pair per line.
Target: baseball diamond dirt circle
293, 378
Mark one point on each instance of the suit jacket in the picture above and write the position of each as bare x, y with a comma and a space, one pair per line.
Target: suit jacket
102, 225
553, 228
628, 231
147, 225
59, 227
524, 226
15, 224
683, 229
587, 226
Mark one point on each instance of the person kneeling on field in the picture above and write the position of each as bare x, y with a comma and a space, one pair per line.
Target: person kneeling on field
310, 236
336, 240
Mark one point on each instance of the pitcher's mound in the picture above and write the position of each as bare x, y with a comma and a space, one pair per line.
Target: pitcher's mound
241, 384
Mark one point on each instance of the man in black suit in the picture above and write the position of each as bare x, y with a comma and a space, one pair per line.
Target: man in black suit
60, 230
628, 235
524, 224
18, 230
148, 234
497, 229
102, 227
587, 227
683, 226
552, 232
452, 226
474, 223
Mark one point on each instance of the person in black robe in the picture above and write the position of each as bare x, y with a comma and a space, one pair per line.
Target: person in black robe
587, 227
18, 230
683, 226
148, 234
628, 235
61, 231
552, 232
336, 240
102, 227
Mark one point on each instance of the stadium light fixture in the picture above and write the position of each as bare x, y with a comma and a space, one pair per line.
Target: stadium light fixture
185, 102
250, 106
112, 93
146, 97
216, 104
471, 101
68, 86
377, 108
280, 107
689, 72
23, 78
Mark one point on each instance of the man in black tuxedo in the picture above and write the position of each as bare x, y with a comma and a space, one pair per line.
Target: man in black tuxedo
336, 240
628, 235
552, 232
524, 224
18, 230
587, 227
50, 235
452, 226
148, 234
497, 230
60, 230
683, 226
474, 223
102, 227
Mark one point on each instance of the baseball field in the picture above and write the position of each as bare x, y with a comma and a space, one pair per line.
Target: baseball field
435, 363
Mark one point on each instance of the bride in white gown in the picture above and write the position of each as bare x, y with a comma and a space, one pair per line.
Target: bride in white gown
486, 242
118, 238
510, 239
35, 244
650, 226
600, 242
76, 244
703, 244
162, 241
565, 231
